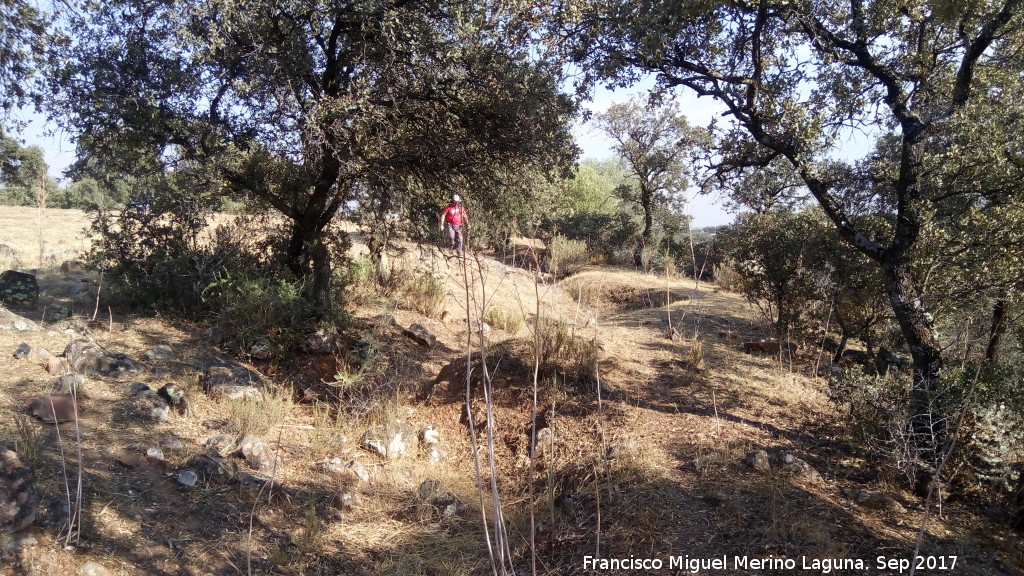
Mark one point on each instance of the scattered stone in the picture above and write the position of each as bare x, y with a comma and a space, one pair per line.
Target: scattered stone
222, 445
56, 313
67, 384
172, 443
159, 353
365, 349
389, 441
154, 453
322, 341
78, 327
188, 477
346, 500
875, 500
91, 568
758, 460
259, 456
421, 335
19, 498
88, 357
790, 464
545, 438
19, 289
213, 467
53, 365
232, 381
54, 408
710, 459
11, 322
262, 349
12, 544
175, 397
23, 351
358, 470
477, 325
148, 403
69, 267
447, 504
429, 436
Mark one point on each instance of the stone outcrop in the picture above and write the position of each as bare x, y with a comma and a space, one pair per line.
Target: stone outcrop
88, 357
19, 289
11, 322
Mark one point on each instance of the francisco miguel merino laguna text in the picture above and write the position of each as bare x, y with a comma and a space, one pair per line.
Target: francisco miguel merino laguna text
819, 565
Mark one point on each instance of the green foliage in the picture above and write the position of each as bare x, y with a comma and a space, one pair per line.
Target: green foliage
503, 319
251, 309
24, 174
565, 257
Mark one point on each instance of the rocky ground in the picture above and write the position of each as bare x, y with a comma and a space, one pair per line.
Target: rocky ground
179, 458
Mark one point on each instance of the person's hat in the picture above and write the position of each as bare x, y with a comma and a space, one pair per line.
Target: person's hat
455, 198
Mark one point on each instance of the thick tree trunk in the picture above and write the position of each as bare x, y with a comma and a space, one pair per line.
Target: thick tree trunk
310, 260
646, 201
997, 329
927, 424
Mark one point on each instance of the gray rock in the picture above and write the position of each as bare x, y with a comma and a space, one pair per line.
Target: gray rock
159, 353
222, 445
88, 357
172, 443
758, 460
322, 341
174, 396
875, 500
447, 504
259, 456
23, 351
790, 464
710, 459
188, 477
19, 497
347, 500
429, 436
352, 469
545, 439
19, 289
421, 335
476, 326
262, 349
154, 453
11, 322
56, 313
91, 568
232, 381
67, 384
389, 441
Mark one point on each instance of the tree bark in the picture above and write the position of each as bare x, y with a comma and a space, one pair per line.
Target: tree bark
997, 329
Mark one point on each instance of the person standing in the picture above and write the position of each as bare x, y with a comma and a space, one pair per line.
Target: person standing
454, 218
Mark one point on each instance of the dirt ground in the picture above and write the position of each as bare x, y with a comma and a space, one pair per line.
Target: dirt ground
643, 461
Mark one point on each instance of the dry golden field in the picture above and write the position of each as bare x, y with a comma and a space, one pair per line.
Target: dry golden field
648, 469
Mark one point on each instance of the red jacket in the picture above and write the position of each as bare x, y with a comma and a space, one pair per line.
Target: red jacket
454, 214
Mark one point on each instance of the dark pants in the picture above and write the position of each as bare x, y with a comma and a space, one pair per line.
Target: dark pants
455, 236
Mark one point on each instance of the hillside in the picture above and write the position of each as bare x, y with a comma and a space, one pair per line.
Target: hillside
652, 456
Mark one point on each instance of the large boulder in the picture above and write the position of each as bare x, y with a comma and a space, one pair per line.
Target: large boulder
391, 440
19, 498
19, 289
234, 381
11, 322
88, 357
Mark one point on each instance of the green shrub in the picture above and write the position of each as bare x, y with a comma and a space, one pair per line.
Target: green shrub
561, 350
565, 257
502, 319
425, 293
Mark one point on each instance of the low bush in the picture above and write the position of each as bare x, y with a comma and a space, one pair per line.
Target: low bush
565, 257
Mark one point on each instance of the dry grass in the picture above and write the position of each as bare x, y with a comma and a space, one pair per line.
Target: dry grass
629, 462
